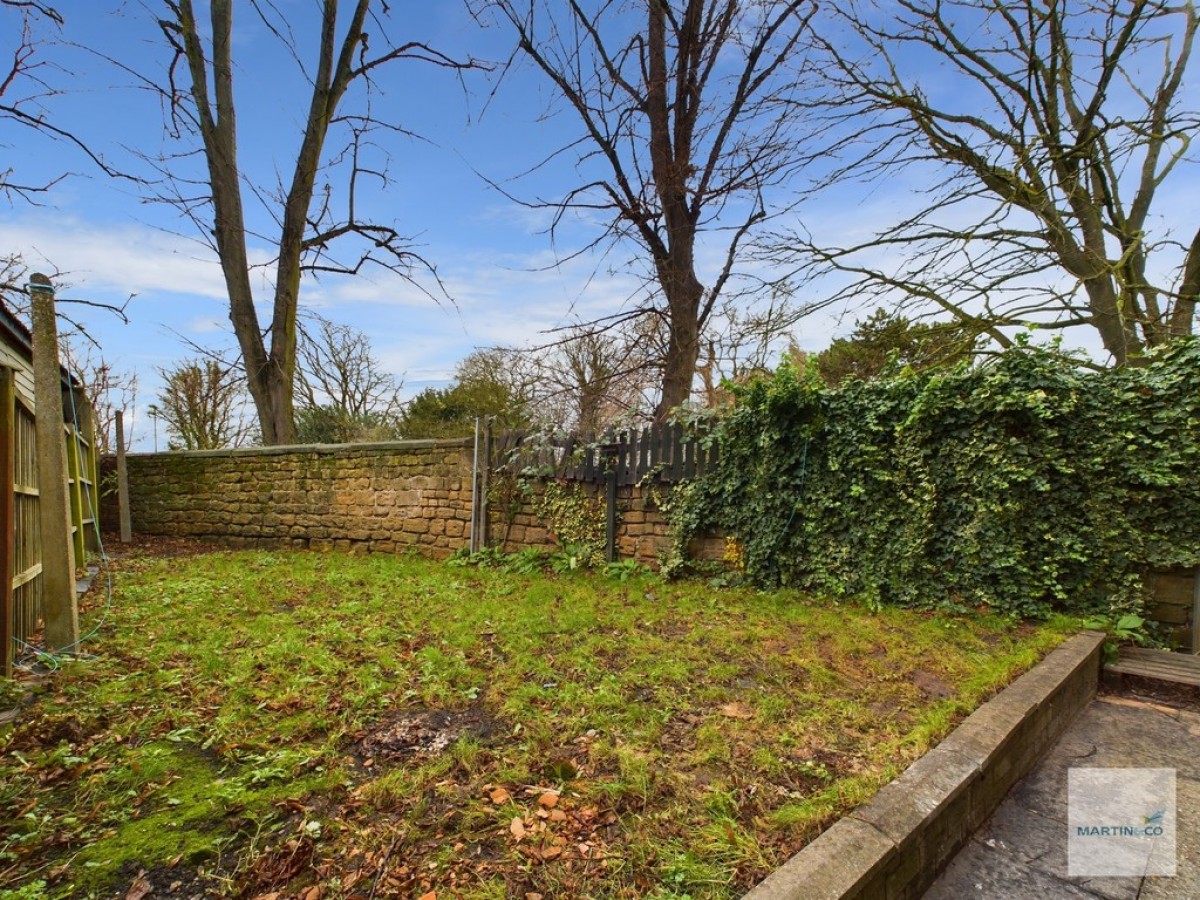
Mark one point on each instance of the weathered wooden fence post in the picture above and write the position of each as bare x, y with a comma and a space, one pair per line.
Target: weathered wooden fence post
58, 557
91, 469
75, 481
8, 525
123, 482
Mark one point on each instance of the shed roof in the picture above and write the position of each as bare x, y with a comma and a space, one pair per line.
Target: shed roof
15, 334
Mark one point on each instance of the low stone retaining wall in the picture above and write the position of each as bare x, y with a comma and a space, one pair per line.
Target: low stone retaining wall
895, 845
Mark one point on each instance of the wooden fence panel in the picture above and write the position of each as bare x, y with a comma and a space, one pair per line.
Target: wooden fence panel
664, 453
21, 581
26, 577
81, 491
8, 413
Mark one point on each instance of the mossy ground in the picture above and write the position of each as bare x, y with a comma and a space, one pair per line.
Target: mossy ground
258, 722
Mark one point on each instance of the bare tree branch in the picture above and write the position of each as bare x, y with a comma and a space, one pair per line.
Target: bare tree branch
684, 131
27, 91
344, 394
202, 403
1065, 123
198, 96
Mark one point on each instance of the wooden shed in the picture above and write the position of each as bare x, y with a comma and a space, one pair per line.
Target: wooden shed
21, 588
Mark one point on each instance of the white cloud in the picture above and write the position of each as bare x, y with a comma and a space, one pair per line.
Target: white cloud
207, 325
124, 259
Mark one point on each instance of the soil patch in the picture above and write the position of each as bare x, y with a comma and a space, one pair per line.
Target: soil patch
167, 881
1168, 693
427, 732
157, 546
932, 686
274, 869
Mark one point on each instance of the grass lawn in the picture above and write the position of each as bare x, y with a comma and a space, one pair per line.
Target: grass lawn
306, 725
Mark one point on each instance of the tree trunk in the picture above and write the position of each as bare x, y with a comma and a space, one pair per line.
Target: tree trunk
269, 375
282, 414
1183, 316
679, 368
1117, 331
684, 293
670, 159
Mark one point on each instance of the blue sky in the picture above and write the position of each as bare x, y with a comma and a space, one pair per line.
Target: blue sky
491, 254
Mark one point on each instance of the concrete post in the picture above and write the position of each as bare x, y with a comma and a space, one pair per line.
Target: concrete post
58, 556
123, 482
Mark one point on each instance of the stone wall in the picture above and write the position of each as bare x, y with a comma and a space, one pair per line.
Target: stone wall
376, 497
380, 497
643, 533
1173, 598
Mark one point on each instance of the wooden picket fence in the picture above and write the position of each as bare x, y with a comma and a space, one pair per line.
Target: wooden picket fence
659, 453
21, 582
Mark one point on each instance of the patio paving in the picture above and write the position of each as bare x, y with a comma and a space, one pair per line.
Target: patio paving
1021, 852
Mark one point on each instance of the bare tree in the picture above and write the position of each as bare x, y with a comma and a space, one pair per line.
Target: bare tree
108, 391
306, 226
1058, 131
685, 136
344, 394
203, 405
12, 278
594, 378
743, 342
14, 290
28, 28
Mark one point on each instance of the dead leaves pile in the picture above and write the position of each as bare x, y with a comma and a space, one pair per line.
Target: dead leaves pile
550, 826
540, 826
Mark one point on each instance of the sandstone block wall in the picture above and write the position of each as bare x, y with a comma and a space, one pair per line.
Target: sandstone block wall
1174, 597
643, 533
381, 497
376, 497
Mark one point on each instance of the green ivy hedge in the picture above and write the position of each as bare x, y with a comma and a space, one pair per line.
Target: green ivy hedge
1026, 483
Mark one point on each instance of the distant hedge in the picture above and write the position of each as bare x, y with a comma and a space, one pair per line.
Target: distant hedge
1027, 483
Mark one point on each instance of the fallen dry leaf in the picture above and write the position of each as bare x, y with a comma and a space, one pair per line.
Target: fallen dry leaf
548, 800
551, 852
737, 710
1141, 704
432, 895
499, 796
313, 893
530, 895
140, 888
517, 828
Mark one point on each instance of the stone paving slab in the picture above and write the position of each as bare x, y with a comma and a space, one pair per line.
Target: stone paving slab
1020, 853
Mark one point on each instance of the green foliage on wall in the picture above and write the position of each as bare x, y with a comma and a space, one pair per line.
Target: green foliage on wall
576, 518
1027, 483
